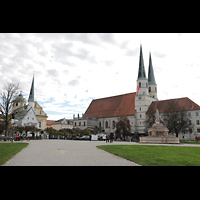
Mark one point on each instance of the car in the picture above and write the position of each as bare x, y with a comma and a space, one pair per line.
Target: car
85, 137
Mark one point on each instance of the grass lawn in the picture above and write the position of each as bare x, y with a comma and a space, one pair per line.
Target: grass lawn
149, 155
8, 150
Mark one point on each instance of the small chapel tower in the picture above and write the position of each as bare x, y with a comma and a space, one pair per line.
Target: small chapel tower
152, 86
142, 81
31, 101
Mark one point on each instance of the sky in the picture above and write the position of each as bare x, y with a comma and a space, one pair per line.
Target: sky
72, 69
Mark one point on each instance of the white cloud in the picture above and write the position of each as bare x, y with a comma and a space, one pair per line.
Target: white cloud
72, 69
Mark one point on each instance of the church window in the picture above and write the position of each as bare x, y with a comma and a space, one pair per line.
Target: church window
40, 124
149, 89
83, 123
99, 124
106, 124
139, 84
16, 104
140, 116
113, 124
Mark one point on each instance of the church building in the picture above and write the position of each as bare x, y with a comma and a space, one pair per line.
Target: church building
104, 113
32, 113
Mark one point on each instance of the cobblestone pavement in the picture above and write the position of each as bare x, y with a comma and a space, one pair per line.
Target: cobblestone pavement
66, 153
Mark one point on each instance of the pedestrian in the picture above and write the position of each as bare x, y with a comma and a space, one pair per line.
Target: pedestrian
107, 137
111, 137
16, 137
90, 137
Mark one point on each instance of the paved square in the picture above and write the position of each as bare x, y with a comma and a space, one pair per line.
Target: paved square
66, 153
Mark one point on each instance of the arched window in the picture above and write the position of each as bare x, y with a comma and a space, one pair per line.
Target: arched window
139, 84
113, 124
149, 89
106, 124
99, 124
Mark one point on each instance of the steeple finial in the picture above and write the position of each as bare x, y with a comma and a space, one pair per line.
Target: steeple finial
141, 71
151, 78
31, 95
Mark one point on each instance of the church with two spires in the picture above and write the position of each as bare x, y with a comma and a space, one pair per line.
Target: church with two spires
104, 113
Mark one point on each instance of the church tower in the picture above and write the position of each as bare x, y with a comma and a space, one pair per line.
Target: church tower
142, 80
146, 94
31, 101
152, 86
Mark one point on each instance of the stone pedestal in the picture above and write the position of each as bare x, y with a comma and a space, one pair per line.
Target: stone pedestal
160, 140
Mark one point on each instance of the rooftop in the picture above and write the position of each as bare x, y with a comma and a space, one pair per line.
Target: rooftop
120, 105
173, 105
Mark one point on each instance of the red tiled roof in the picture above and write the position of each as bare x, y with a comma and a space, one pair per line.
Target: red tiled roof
49, 122
121, 105
181, 104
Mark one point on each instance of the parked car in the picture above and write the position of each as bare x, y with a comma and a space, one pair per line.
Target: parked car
85, 137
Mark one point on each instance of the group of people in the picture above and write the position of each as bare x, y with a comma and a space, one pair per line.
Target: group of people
110, 137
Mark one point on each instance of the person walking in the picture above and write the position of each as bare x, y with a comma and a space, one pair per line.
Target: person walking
111, 137
16, 137
107, 137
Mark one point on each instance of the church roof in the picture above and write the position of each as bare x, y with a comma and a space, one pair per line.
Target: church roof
151, 78
173, 105
31, 95
121, 105
141, 71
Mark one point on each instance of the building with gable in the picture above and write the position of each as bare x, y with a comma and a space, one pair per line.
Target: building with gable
104, 113
31, 113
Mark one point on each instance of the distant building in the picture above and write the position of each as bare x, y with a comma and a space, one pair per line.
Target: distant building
31, 113
49, 123
62, 124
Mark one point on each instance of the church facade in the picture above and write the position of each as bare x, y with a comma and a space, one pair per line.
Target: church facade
31, 113
104, 113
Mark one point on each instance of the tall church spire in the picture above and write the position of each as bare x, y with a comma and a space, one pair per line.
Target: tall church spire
151, 78
141, 71
31, 95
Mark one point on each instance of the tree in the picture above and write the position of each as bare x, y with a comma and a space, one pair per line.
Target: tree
123, 127
176, 120
7, 99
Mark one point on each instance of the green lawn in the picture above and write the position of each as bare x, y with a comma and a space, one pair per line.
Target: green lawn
149, 155
8, 150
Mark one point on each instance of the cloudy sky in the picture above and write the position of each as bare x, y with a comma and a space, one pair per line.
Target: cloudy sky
71, 69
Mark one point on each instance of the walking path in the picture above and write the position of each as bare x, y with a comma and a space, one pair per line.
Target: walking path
72, 153
66, 153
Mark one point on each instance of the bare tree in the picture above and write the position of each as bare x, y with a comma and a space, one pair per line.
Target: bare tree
123, 126
7, 99
176, 119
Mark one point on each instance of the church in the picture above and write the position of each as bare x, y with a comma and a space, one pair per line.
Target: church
29, 114
104, 113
